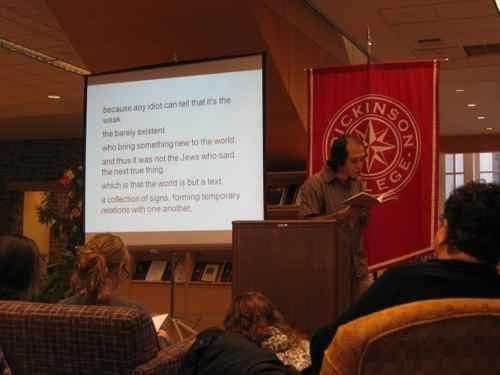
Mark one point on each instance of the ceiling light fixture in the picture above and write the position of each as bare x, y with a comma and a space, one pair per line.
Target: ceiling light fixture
459, 90
41, 57
54, 97
488, 129
497, 2
481, 117
471, 105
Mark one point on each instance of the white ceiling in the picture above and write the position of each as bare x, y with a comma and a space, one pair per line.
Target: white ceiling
397, 25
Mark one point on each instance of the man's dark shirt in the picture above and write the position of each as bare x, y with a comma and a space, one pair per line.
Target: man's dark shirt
324, 193
413, 282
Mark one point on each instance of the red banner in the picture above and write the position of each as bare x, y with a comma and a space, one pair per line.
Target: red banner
393, 109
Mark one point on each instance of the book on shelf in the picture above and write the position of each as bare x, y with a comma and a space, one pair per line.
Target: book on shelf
167, 272
366, 200
141, 270
291, 194
210, 272
274, 195
180, 271
156, 269
284, 194
198, 269
227, 273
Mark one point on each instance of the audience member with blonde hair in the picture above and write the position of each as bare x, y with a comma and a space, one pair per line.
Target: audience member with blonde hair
101, 267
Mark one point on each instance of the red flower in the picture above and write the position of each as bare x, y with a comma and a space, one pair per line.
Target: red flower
65, 180
75, 213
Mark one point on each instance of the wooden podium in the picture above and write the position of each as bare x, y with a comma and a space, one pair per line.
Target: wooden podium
298, 264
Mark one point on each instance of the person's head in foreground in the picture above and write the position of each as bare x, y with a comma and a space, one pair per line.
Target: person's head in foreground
19, 268
469, 228
101, 267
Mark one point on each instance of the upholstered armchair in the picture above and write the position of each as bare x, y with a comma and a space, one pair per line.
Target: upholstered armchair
446, 336
39, 338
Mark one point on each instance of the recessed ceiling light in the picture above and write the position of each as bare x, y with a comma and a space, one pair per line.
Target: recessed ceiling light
54, 97
459, 90
471, 105
481, 117
489, 129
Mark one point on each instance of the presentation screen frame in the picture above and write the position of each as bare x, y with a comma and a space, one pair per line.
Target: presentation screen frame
208, 239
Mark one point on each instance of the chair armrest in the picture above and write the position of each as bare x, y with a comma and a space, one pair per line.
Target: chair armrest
167, 362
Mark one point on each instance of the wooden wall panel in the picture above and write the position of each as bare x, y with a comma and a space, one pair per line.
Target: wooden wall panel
298, 39
199, 304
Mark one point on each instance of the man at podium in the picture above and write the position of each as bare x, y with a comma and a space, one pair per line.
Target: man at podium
321, 197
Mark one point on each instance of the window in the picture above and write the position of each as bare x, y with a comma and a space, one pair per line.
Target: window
454, 172
489, 167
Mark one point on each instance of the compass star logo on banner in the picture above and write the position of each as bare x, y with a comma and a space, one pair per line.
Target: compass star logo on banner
390, 135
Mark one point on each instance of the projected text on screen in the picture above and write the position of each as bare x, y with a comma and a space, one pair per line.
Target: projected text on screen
178, 153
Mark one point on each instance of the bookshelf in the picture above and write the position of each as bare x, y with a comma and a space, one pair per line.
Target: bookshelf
203, 302
281, 194
200, 303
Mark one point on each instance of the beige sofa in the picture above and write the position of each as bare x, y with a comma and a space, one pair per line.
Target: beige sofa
447, 336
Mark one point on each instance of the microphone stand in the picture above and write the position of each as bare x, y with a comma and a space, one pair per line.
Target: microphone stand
177, 323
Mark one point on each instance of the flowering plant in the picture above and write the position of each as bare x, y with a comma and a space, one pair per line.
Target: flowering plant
68, 220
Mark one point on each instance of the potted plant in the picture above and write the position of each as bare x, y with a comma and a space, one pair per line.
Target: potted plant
67, 222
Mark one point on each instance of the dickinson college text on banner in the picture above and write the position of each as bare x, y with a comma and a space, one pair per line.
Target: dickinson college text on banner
392, 108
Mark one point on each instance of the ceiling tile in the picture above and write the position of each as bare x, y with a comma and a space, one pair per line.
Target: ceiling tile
451, 53
465, 10
403, 15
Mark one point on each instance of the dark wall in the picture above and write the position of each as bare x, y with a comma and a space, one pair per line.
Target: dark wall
31, 162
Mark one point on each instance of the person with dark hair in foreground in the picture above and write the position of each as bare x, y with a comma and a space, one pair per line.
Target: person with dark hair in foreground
19, 275
254, 316
321, 197
467, 250
255, 340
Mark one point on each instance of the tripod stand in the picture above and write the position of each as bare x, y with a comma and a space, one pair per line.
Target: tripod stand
178, 325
